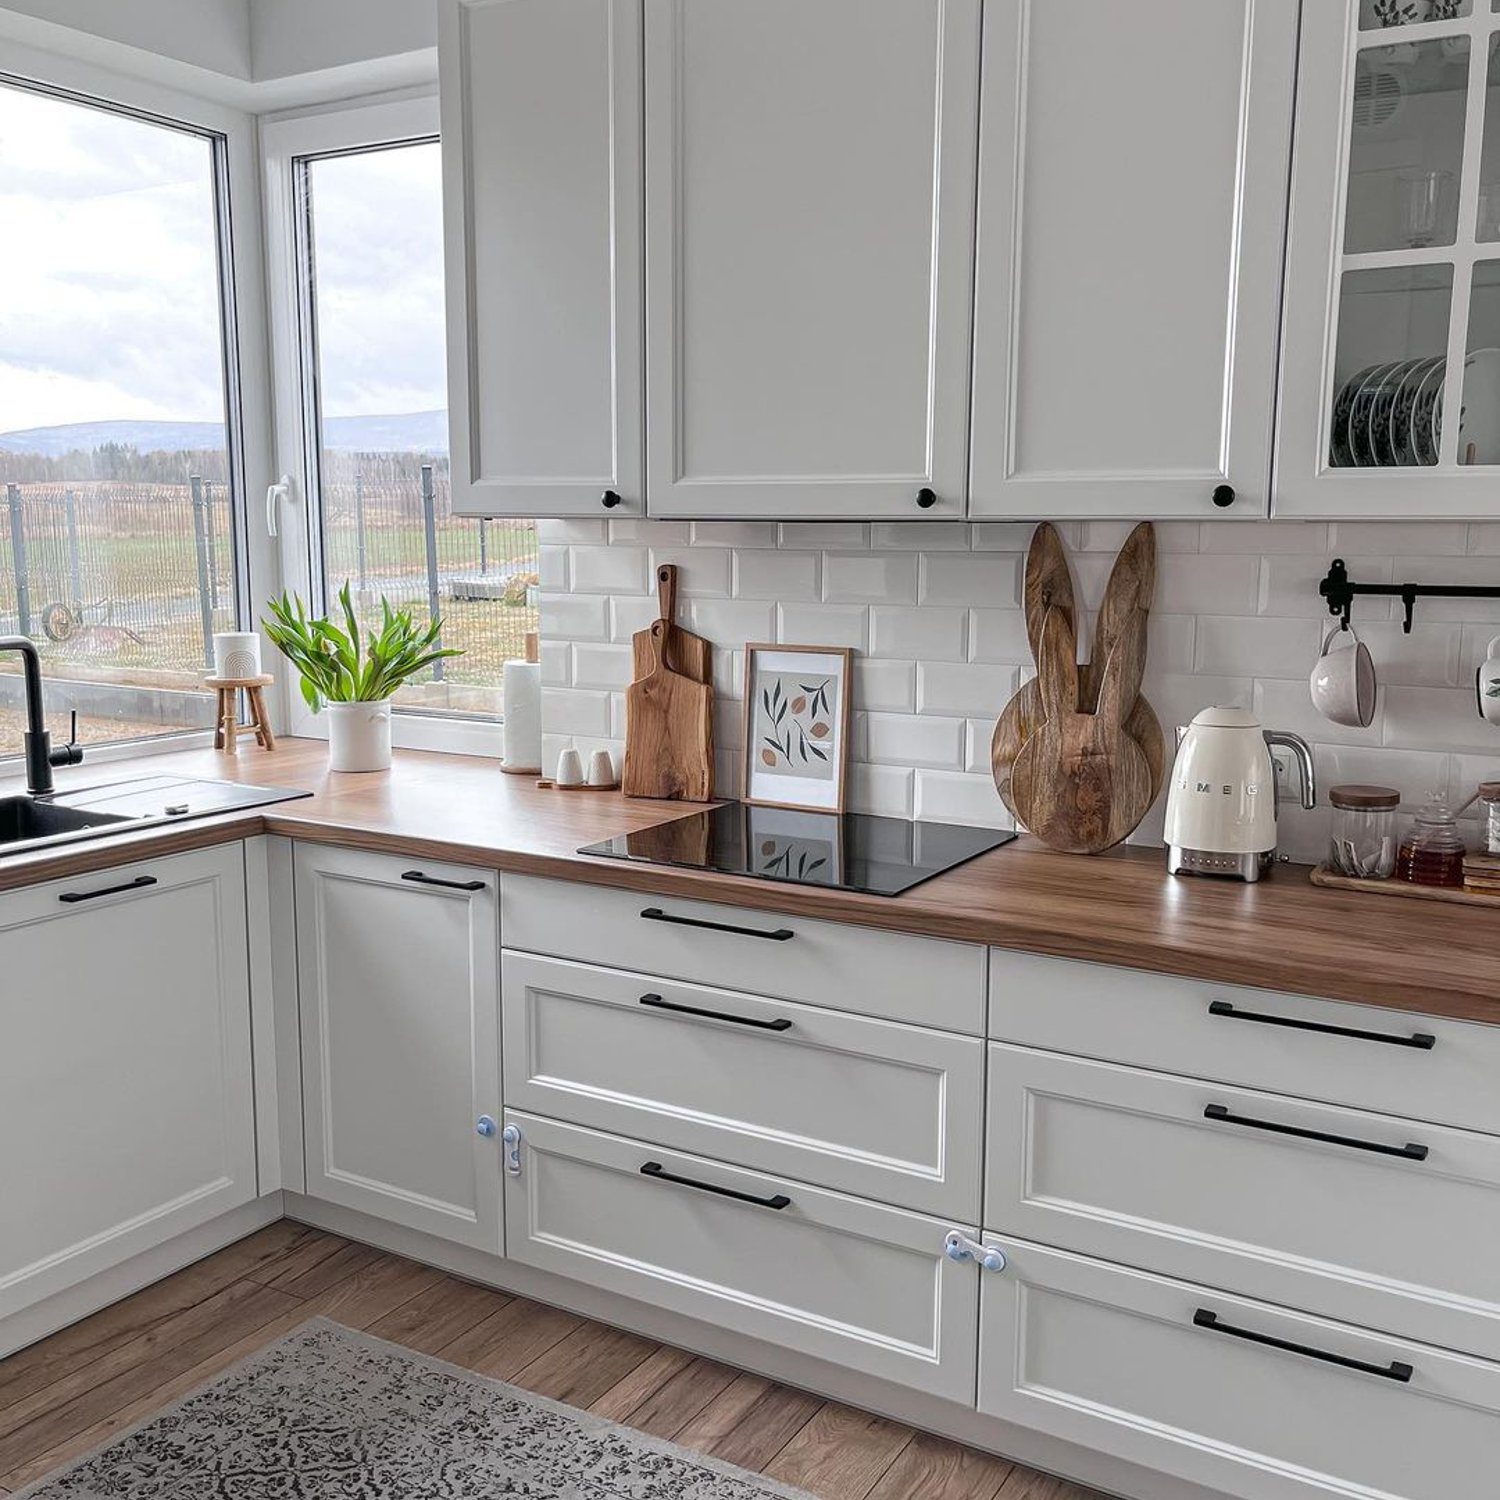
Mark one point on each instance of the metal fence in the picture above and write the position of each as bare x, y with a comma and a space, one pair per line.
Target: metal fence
132, 579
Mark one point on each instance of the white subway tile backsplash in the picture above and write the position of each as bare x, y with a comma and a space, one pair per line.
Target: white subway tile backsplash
1398, 538
1256, 646
776, 575
825, 625
1200, 583
998, 635
919, 536
1236, 619
885, 791
888, 686
960, 797
987, 579
702, 572
914, 740
734, 621
870, 577
610, 570
920, 633
844, 536
597, 666
734, 533
970, 688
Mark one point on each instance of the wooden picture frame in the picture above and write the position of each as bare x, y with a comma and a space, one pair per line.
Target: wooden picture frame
797, 734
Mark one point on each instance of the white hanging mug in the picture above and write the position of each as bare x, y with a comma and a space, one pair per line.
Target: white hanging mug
1343, 681
1487, 683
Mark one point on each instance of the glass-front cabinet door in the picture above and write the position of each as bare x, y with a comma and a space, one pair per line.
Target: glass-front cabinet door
1390, 381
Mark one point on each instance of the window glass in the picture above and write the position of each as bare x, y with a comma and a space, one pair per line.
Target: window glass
373, 270
117, 504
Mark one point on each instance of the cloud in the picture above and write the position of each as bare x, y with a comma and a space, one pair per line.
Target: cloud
108, 265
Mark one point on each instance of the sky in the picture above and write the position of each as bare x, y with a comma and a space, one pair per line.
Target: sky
109, 281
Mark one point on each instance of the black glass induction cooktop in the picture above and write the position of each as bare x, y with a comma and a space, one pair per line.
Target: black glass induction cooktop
850, 852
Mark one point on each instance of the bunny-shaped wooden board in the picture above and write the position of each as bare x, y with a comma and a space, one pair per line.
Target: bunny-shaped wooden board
1080, 783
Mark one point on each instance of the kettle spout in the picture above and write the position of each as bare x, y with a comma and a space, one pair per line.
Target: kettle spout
1302, 754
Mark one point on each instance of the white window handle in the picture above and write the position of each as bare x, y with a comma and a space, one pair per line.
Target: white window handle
281, 490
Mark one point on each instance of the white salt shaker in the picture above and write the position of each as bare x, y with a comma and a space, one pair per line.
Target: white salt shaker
601, 769
569, 769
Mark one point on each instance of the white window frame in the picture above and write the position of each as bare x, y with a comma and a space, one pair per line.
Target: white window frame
243, 304
285, 140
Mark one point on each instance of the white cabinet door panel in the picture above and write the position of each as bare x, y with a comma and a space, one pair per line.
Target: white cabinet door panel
866, 1106
836, 1277
1306, 1204
1114, 1359
809, 230
542, 184
126, 1101
399, 982
1133, 169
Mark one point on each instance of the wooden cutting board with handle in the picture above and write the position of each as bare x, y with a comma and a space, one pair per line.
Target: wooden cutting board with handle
688, 654
669, 731
1081, 783
1049, 585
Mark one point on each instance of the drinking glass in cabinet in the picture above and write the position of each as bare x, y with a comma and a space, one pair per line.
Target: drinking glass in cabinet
1389, 366
1406, 145
1479, 415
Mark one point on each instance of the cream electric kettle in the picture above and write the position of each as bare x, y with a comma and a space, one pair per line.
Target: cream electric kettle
1221, 806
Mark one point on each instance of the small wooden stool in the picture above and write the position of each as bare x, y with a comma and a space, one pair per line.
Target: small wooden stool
227, 727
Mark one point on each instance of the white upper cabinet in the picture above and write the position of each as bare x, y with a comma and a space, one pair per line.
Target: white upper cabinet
542, 182
1393, 264
809, 236
1133, 173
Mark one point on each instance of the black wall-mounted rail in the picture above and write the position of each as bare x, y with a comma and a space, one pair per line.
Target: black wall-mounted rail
1340, 592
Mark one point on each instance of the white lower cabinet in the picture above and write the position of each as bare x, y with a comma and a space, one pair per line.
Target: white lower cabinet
1233, 1394
126, 1097
867, 1106
398, 974
841, 1278
1384, 1221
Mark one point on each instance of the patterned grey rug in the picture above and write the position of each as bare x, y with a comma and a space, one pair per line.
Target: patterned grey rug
330, 1414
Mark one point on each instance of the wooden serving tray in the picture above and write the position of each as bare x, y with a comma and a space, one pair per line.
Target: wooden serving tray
1392, 887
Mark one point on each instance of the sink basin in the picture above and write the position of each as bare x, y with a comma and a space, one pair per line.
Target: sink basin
23, 819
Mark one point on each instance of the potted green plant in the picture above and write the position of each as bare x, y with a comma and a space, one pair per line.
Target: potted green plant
351, 677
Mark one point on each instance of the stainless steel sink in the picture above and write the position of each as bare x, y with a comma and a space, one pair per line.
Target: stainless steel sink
29, 823
25, 820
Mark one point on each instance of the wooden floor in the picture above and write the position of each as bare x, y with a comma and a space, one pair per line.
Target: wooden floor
83, 1385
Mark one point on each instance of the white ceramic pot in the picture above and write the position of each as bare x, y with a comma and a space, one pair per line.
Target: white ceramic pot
359, 736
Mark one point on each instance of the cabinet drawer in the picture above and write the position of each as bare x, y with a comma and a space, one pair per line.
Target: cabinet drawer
871, 1107
1370, 1056
832, 1276
923, 980
1230, 1187
1115, 1360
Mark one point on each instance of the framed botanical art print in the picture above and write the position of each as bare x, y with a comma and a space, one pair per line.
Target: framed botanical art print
797, 726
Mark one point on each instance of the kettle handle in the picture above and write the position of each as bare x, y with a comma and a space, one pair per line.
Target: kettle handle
1302, 754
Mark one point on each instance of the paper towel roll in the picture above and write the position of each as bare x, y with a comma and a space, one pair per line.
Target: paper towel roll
522, 686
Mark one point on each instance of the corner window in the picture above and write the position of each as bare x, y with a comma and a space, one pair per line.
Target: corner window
368, 237
119, 499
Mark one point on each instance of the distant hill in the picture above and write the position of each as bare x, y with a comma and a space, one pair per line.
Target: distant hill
401, 432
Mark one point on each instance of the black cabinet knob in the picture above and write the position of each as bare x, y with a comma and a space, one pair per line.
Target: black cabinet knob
609, 499
926, 499
1224, 496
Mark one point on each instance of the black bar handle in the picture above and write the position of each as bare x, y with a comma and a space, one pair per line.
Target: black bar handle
778, 1201
780, 935
657, 1003
419, 878
1203, 1318
1409, 1151
140, 881
1423, 1041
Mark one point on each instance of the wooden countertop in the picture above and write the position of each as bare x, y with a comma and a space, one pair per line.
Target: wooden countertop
1119, 908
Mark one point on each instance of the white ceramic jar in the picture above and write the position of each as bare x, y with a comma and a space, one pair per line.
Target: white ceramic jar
359, 736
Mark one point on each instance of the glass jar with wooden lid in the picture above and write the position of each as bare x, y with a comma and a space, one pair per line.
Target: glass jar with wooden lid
1362, 842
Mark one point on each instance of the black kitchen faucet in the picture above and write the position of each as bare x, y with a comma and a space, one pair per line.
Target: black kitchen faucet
40, 756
